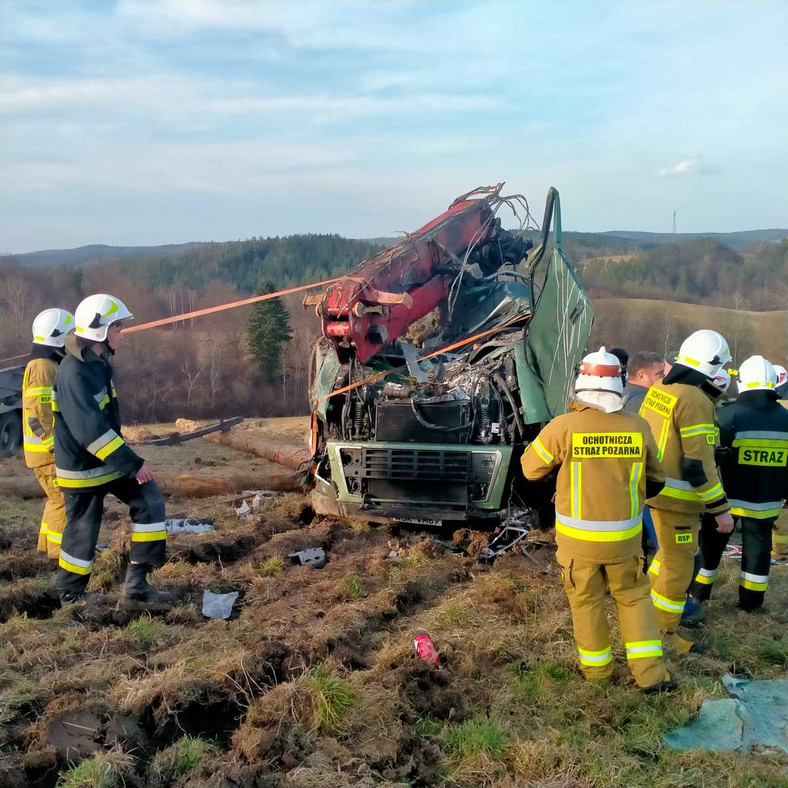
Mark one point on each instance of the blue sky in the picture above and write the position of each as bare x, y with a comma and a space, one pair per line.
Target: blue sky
163, 121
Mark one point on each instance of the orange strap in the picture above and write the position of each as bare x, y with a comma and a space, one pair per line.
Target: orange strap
448, 348
232, 305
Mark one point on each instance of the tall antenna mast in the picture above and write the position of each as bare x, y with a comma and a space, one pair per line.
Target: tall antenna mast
674, 222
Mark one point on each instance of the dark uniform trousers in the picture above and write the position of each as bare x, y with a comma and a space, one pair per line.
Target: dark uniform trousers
84, 509
755, 565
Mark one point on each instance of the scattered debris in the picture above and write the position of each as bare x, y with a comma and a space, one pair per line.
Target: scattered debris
176, 438
188, 525
218, 605
249, 506
508, 537
757, 716
424, 648
315, 557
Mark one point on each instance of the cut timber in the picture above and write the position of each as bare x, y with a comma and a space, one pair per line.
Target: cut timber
182, 485
252, 442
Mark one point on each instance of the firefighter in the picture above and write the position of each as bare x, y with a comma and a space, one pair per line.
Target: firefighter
93, 460
607, 464
49, 336
680, 411
754, 429
780, 536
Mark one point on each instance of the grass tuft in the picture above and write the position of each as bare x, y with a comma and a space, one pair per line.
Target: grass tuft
332, 698
182, 758
105, 770
271, 566
475, 738
353, 588
146, 631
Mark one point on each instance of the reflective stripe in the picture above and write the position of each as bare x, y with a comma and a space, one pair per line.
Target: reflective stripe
112, 446
712, 493
753, 582
36, 445
756, 511
668, 605
679, 489
706, 576
153, 536
663, 439
539, 448
102, 440
142, 528
655, 567
697, 429
598, 530
39, 390
54, 537
577, 489
75, 565
780, 538
761, 438
602, 657
90, 478
44, 528
634, 488
640, 649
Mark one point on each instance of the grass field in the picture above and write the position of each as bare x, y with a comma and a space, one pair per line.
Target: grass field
311, 683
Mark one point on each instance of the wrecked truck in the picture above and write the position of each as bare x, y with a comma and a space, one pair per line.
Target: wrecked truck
440, 359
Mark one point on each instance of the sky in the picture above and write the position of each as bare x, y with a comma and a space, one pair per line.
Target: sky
141, 122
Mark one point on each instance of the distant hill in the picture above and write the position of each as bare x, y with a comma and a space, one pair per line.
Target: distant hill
736, 240
98, 253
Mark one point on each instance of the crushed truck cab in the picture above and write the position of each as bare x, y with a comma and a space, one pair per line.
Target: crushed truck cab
428, 384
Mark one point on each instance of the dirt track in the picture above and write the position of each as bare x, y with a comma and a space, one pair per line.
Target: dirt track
311, 682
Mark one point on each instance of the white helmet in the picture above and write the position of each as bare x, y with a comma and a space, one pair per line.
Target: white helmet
782, 374
96, 313
722, 380
51, 326
600, 371
704, 350
757, 374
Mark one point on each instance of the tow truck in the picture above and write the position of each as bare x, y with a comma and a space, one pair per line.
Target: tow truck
440, 360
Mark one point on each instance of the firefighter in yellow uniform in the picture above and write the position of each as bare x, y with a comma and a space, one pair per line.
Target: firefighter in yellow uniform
607, 465
780, 537
680, 411
38, 432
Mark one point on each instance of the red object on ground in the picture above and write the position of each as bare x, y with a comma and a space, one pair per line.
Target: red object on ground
424, 648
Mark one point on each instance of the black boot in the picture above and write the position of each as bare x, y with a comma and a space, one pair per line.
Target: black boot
139, 594
82, 598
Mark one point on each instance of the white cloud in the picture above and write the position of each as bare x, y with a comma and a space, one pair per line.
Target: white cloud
689, 166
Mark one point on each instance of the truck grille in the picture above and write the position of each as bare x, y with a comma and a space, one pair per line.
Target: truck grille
416, 464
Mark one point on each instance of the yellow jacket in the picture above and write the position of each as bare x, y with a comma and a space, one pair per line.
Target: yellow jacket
603, 462
38, 431
683, 421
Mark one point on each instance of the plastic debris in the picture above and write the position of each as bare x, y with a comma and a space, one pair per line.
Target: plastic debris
424, 648
756, 717
218, 605
188, 525
315, 557
259, 497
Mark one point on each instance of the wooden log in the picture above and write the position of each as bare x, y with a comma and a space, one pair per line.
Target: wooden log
251, 442
181, 485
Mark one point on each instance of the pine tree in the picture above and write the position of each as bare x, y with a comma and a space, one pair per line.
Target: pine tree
268, 329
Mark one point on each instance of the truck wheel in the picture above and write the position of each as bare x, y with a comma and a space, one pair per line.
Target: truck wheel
10, 433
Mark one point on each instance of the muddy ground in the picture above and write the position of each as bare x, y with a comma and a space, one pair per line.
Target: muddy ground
311, 682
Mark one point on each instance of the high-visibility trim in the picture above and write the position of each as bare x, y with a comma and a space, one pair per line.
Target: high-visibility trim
668, 605
112, 446
635, 473
706, 576
539, 448
33, 444
753, 582
654, 567
576, 491
663, 439
760, 384
37, 390
44, 528
53, 537
148, 532
595, 658
101, 441
641, 649
712, 493
758, 438
90, 478
679, 489
75, 565
598, 530
756, 511
697, 429
780, 538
